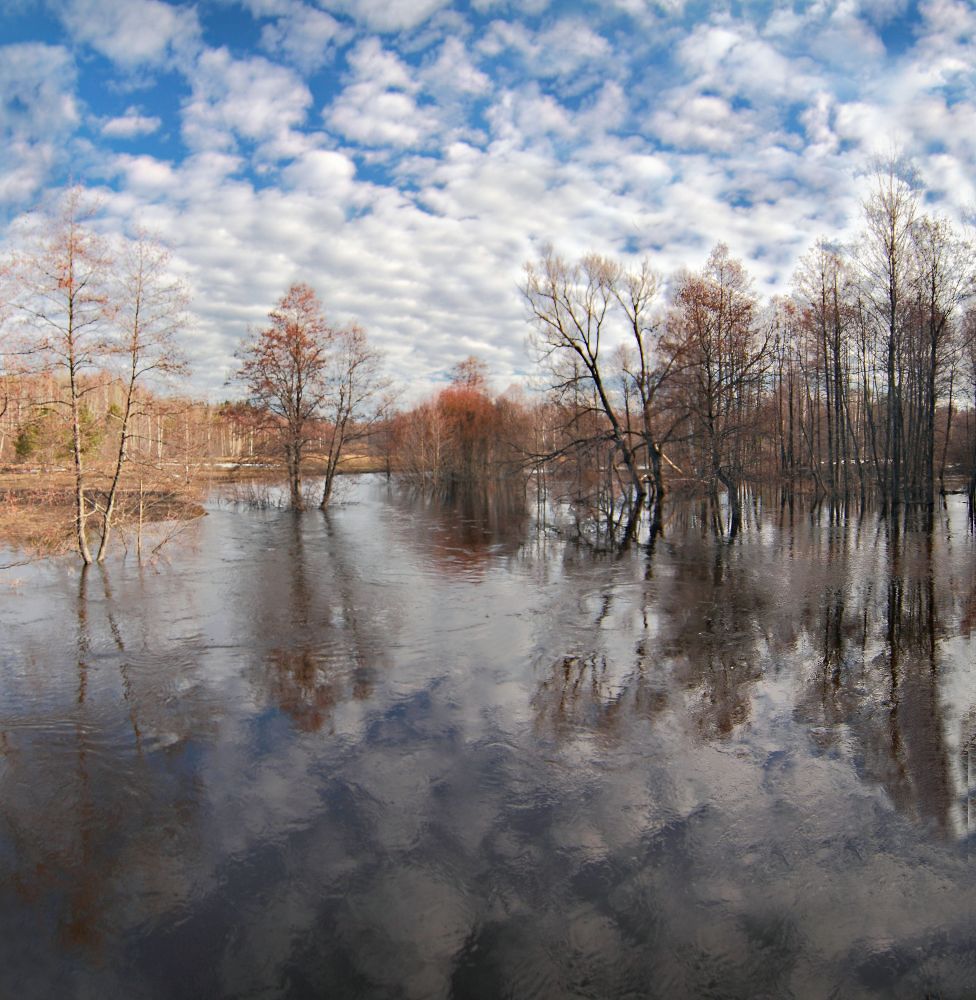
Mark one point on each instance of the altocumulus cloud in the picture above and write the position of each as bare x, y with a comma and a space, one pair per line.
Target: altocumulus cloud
407, 157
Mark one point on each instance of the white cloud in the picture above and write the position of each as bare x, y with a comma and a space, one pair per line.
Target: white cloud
130, 125
702, 122
453, 72
36, 88
250, 99
561, 51
605, 111
733, 60
387, 15
568, 45
882, 11
131, 32
658, 8
817, 121
378, 107
834, 32
528, 115
321, 171
38, 112
303, 35
511, 6
146, 176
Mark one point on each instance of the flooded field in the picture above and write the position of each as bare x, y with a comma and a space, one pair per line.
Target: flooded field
412, 750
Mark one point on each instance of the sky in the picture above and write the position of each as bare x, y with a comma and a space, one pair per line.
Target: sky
407, 157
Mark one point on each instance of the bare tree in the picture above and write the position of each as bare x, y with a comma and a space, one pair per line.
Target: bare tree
645, 366
723, 356
941, 282
286, 369
968, 345
570, 306
884, 254
148, 314
822, 289
62, 299
6, 294
356, 399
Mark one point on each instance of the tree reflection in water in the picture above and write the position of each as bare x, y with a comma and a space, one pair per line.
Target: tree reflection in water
861, 601
85, 813
409, 748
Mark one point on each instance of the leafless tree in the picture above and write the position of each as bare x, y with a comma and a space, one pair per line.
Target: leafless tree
285, 369
148, 314
822, 290
571, 307
305, 372
645, 366
63, 303
722, 354
357, 398
941, 281
884, 254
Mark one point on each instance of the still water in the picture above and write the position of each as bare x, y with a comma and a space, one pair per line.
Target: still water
408, 750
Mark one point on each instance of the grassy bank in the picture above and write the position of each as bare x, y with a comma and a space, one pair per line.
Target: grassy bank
37, 505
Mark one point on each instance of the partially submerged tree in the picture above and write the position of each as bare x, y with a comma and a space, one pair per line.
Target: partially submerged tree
463, 438
357, 398
722, 355
570, 306
573, 308
303, 371
285, 369
822, 287
5, 375
884, 254
941, 282
148, 314
63, 303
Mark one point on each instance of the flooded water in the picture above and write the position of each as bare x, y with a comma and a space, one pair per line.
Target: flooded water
402, 750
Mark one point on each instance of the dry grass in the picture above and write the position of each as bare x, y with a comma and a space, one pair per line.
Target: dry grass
37, 514
36, 522
271, 468
37, 505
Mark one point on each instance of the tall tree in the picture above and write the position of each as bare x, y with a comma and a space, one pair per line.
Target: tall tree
884, 254
645, 366
941, 282
285, 369
6, 294
571, 308
148, 314
62, 299
356, 398
722, 357
821, 288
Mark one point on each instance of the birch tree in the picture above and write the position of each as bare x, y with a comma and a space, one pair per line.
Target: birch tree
356, 398
148, 314
63, 305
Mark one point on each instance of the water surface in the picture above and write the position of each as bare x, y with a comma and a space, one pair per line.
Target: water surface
413, 750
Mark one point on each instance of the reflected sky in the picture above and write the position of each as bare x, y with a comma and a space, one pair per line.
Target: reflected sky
409, 749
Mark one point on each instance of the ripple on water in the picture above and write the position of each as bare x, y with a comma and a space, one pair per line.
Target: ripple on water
394, 752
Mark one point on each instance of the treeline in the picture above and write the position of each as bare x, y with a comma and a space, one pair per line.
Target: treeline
165, 431
849, 388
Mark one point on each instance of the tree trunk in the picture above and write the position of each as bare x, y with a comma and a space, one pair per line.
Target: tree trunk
81, 514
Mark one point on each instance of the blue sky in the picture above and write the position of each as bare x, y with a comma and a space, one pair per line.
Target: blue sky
406, 157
